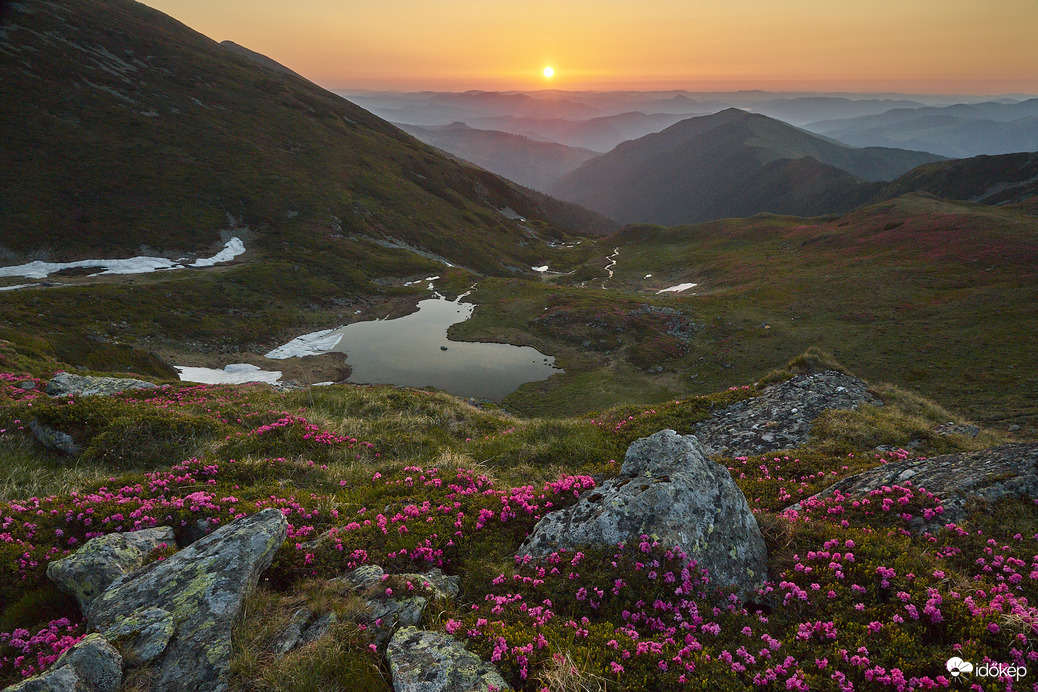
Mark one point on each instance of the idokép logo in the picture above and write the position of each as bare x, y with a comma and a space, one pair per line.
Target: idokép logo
958, 667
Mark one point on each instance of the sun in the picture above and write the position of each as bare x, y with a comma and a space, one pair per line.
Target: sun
549, 72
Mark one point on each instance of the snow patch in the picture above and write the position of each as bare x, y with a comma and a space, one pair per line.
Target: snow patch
677, 289
313, 344
540, 270
234, 373
131, 265
17, 286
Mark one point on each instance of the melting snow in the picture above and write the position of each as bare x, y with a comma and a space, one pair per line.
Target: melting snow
540, 269
677, 289
132, 265
11, 288
313, 344
235, 373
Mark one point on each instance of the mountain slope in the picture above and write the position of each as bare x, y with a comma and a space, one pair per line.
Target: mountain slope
731, 163
1004, 179
125, 129
521, 159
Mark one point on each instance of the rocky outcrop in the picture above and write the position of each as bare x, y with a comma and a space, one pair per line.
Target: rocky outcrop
303, 628
202, 588
423, 661
64, 384
142, 636
90, 570
782, 416
669, 490
956, 479
92, 665
386, 612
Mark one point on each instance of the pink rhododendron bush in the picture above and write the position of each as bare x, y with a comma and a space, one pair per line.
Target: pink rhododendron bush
857, 598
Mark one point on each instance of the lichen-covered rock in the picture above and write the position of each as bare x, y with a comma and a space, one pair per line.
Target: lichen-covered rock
956, 479
142, 636
202, 587
87, 572
403, 608
669, 490
289, 639
782, 416
52, 438
92, 665
422, 661
65, 383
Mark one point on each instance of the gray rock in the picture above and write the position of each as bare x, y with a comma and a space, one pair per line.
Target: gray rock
956, 479
202, 587
289, 639
319, 628
384, 613
51, 438
65, 383
143, 636
422, 661
669, 490
782, 416
27, 385
87, 572
92, 665
951, 428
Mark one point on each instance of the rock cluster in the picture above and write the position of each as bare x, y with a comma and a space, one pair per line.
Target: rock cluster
423, 661
782, 416
1009, 470
669, 490
175, 614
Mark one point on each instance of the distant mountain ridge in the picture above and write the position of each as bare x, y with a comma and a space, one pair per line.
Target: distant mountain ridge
532, 163
732, 163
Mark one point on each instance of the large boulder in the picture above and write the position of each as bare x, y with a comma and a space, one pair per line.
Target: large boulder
782, 416
65, 383
92, 665
669, 490
87, 572
52, 438
423, 661
202, 587
957, 480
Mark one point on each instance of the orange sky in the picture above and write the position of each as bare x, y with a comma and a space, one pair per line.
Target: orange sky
922, 46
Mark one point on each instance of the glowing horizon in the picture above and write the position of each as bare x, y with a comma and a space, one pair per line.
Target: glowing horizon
888, 46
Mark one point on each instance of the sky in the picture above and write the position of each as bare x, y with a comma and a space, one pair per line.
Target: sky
906, 46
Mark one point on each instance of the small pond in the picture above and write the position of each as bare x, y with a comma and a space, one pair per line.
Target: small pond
414, 351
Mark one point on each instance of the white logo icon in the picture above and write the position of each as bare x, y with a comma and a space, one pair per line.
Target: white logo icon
956, 666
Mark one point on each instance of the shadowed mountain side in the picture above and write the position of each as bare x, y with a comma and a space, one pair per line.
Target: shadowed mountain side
157, 136
259, 58
730, 164
520, 159
1005, 179
598, 134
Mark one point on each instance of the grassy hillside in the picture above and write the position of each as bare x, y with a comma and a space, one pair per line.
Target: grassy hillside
126, 129
937, 296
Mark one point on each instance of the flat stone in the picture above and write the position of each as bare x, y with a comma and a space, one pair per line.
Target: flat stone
782, 415
424, 661
65, 383
958, 480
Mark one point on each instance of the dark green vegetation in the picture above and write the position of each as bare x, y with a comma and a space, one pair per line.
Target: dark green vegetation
728, 164
996, 180
141, 132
